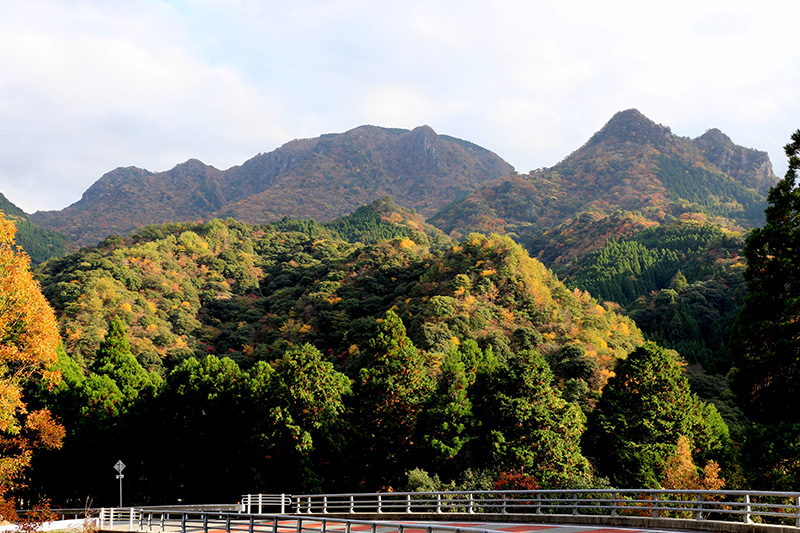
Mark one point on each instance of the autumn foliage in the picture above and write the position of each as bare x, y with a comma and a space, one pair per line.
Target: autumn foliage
28, 342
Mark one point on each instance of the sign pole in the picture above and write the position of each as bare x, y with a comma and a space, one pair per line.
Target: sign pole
119, 467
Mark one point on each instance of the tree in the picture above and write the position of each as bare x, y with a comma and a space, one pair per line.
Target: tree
680, 471
115, 360
203, 413
299, 407
445, 419
767, 353
28, 341
645, 407
528, 426
392, 388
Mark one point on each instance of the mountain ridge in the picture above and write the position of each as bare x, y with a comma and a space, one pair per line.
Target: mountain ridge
631, 168
321, 178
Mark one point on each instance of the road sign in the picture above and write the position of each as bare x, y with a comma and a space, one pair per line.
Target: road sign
119, 467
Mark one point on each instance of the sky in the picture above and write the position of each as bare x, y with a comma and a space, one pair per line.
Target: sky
89, 86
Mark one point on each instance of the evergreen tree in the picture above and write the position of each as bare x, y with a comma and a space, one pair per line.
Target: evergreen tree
115, 360
645, 407
447, 416
392, 388
527, 427
768, 329
300, 411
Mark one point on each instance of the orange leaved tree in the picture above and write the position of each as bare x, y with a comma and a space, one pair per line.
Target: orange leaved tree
28, 341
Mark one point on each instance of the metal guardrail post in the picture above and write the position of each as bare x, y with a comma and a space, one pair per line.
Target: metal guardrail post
698, 515
747, 519
439, 503
352, 507
575, 504
797, 511
299, 528
283, 503
251, 525
471, 503
324, 505
183, 523
228, 523
613, 504
380, 502
503, 510
260, 501
655, 505
205, 522
408, 503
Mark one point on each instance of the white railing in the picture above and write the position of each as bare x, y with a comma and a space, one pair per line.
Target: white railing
110, 517
698, 505
687, 509
259, 503
209, 522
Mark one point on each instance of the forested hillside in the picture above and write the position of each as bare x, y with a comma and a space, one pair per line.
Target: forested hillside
208, 334
40, 244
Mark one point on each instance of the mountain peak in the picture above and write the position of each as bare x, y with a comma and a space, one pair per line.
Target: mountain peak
714, 135
631, 126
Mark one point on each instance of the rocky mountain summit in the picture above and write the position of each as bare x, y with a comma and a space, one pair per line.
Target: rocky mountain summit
320, 178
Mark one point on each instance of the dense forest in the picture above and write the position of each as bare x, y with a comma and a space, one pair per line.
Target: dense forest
304, 361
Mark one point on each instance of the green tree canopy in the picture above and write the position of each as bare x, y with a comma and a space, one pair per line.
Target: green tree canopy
392, 388
528, 426
115, 360
645, 407
299, 408
768, 329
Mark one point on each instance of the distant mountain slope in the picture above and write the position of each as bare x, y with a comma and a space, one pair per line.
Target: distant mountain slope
631, 165
320, 178
40, 244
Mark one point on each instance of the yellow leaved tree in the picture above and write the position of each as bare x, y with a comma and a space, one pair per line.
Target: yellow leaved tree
28, 341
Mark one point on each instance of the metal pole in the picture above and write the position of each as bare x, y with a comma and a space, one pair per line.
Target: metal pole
747, 519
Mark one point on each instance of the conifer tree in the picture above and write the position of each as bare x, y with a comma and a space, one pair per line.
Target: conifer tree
767, 352
392, 388
115, 360
645, 407
527, 426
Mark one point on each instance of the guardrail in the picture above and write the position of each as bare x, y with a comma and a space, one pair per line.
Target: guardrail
256, 503
698, 505
136, 518
209, 522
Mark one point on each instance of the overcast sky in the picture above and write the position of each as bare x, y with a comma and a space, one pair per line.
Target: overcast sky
88, 86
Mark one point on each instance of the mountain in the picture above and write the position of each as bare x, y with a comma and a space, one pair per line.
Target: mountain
632, 169
40, 244
320, 178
